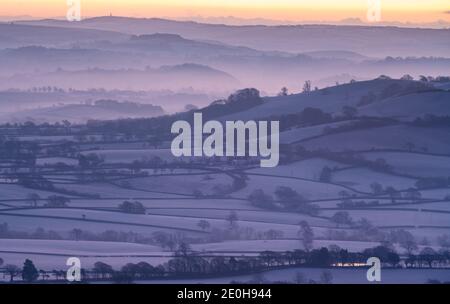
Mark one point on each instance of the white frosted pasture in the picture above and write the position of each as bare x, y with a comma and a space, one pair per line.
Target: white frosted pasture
44, 138
440, 206
130, 155
308, 168
279, 245
173, 203
265, 216
64, 220
430, 234
384, 218
299, 134
112, 191
361, 179
415, 164
389, 137
438, 194
56, 160
94, 215
77, 248
411, 106
309, 189
340, 276
18, 221
184, 184
13, 191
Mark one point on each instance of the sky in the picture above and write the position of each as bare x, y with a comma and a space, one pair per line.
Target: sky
415, 11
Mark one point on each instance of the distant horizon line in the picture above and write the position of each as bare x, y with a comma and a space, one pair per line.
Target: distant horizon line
239, 21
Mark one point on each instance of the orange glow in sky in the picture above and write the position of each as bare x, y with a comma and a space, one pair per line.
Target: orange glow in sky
293, 10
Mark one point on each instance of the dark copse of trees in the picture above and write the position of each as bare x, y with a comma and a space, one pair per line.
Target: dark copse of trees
186, 263
287, 199
35, 181
342, 218
90, 160
259, 198
236, 102
132, 207
18, 152
56, 201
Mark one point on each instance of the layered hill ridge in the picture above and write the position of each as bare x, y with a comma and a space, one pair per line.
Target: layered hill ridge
301, 38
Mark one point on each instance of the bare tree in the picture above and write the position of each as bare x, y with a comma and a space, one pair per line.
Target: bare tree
283, 92
232, 218
307, 86
33, 198
12, 270
342, 218
407, 77
306, 234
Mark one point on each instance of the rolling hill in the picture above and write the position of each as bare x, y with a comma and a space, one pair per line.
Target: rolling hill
369, 41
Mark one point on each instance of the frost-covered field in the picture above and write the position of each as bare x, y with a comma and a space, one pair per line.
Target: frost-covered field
339, 275
309, 168
311, 189
400, 217
390, 137
77, 248
124, 198
130, 155
362, 178
300, 134
435, 103
421, 165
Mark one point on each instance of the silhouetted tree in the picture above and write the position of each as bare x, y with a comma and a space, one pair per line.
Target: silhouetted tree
34, 198
428, 255
103, 269
132, 207
29, 272
283, 92
12, 270
393, 194
260, 199
307, 86
407, 77
232, 218
306, 234
342, 218
56, 201
405, 239
76, 234
325, 175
